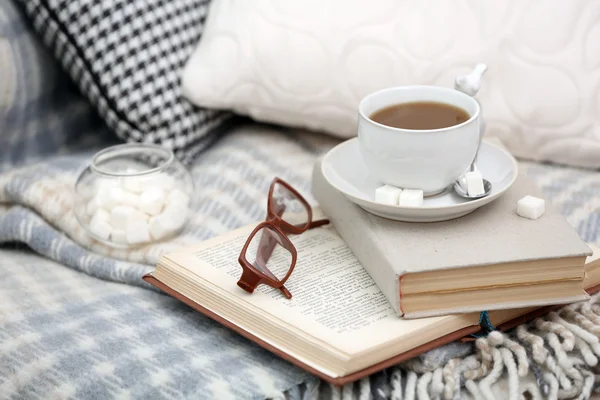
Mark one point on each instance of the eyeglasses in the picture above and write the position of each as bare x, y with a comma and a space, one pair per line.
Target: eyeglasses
269, 256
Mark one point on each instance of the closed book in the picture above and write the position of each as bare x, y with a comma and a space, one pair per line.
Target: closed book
491, 259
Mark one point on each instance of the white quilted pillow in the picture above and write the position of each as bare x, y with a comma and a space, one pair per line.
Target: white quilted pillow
308, 64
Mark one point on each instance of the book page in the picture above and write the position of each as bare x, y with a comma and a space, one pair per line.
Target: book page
592, 278
328, 283
334, 298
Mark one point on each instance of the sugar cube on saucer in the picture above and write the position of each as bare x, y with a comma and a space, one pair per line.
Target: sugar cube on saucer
474, 183
531, 207
411, 198
387, 194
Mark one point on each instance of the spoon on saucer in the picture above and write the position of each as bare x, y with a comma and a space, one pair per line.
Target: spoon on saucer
460, 186
470, 84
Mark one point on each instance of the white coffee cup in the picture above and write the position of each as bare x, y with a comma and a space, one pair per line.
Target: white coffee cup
430, 160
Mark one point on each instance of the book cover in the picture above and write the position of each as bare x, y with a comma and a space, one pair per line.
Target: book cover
491, 235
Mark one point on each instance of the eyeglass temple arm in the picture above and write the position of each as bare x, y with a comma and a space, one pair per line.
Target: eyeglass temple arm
268, 245
279, 209
285, 292
316, 224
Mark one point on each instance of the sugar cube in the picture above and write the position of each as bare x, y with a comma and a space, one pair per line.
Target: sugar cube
163, 225
121, 216
130, 199
474, 183
152, 200
111, 197
411, 198
101, 214
132, 184
92, 206
104, 184
177, 196
176, 215
531, 207
387, 194
169, 221
118, 236
99, 224
157, 227
137, 232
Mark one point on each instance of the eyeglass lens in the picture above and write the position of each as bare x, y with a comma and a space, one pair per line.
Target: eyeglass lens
288, 207
268, 253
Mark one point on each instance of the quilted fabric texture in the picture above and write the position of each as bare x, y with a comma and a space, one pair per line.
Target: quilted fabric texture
309, 63
126, 57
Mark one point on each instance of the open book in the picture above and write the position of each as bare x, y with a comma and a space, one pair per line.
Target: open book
338, 325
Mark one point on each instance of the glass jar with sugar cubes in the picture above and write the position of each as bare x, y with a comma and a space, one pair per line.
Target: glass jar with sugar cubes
132, 195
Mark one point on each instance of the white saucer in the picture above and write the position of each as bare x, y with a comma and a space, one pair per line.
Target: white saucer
343, 167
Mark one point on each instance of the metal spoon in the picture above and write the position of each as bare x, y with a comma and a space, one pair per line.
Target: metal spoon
470, 84
460, 187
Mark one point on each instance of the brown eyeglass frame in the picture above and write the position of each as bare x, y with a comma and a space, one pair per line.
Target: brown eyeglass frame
251, 276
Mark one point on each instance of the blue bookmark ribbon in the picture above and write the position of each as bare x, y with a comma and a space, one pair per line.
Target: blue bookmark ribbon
485, 324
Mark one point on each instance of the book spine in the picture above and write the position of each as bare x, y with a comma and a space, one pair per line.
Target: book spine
400, 295
352, 223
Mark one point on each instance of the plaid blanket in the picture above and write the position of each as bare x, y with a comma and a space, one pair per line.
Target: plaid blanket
41, 112
67, 335
156, 346
232, 181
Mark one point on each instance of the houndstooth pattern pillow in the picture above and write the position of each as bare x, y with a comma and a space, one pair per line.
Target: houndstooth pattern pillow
126, 57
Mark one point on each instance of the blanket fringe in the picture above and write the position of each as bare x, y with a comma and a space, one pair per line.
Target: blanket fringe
552, 357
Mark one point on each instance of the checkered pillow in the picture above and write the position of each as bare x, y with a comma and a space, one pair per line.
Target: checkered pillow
126, 57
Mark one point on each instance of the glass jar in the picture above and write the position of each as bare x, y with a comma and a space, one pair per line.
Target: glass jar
132, 195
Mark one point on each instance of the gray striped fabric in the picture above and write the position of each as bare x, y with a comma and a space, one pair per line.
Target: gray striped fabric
41, 111
232, 180
66, 335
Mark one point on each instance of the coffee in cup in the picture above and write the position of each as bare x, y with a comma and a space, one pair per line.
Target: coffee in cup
418, 137
420, 115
